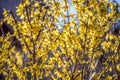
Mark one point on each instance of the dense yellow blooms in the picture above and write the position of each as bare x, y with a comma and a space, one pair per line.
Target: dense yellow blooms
66, 49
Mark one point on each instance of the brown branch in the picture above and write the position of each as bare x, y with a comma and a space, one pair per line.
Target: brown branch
27, 46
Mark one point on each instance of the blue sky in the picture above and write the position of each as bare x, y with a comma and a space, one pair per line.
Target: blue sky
118, 1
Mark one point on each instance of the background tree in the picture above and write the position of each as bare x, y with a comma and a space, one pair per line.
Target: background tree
83, 47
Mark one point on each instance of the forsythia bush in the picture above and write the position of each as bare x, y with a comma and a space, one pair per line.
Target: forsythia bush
59, 45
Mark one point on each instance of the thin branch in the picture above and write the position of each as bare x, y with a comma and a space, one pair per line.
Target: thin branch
27, 46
